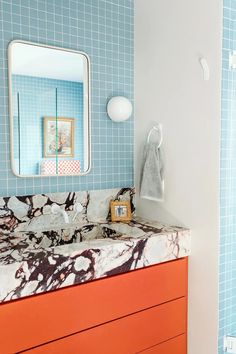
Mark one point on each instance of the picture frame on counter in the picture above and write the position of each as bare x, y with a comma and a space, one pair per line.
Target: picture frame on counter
120, 211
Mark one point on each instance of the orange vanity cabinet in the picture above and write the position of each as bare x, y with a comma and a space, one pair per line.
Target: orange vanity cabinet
176, 345
142, 311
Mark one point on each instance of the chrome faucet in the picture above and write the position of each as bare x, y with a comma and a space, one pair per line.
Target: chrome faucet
56, 210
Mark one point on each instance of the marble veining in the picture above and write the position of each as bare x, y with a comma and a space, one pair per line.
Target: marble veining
36, 259
31, 264
33, 213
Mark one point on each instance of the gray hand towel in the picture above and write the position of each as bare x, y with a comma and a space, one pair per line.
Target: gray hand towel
152, 179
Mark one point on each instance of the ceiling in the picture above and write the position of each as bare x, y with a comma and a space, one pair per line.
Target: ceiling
33, 60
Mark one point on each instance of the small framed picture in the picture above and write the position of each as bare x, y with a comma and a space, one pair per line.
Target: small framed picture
120, 211
58, 137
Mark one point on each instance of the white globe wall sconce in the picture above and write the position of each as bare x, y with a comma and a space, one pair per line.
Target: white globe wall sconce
119, 109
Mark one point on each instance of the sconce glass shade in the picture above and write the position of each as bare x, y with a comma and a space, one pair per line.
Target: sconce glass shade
119, 109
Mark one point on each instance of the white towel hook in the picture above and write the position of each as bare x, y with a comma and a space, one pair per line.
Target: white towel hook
155, 128
205, 69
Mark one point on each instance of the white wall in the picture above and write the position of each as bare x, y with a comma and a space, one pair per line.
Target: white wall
170, 36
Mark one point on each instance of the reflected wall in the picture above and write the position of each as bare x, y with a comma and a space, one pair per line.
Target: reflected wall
38, 99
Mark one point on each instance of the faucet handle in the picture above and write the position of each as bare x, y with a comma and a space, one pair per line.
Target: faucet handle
78, 208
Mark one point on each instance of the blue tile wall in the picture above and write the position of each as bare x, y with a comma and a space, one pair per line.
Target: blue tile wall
104, 30
37, 99
227, 294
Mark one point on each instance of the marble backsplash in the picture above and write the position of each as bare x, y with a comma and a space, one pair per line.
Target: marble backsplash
33, 213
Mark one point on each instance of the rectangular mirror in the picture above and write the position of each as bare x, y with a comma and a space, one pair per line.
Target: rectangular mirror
49, 93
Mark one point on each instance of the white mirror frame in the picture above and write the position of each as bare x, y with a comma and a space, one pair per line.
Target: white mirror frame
87, 107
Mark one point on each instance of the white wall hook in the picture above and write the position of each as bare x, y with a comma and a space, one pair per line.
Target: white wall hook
205, 68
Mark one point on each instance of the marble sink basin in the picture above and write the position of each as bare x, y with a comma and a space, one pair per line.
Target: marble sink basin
60, 237
20, 246
86, 233
21, 242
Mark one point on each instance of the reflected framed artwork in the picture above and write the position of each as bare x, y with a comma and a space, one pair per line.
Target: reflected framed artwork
59, 137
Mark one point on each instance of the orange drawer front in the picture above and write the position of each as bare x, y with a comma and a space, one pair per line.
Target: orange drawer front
176, 345
128, 335
43, 318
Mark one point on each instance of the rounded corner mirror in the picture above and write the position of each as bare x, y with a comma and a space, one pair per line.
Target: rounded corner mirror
49, 93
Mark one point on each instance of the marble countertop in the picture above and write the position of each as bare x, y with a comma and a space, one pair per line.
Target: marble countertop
36, 262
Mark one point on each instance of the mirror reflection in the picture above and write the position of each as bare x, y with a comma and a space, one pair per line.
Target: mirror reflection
49, 103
